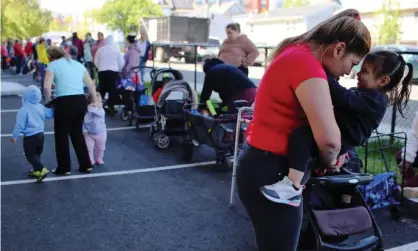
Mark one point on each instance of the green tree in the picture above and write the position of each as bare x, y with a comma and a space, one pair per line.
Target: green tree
125, 15
388, 30
295, 3
22, 19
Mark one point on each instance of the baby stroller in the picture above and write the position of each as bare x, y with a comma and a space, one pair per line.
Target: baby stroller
145, 109
125, 95
217, 132
336, 214
169, 114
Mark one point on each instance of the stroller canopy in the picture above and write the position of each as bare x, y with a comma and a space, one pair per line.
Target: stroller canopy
178, 86
160, 73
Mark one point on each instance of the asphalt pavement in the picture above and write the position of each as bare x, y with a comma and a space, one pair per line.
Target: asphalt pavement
141, 199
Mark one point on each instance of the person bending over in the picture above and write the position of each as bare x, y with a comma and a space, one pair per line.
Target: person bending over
228, 81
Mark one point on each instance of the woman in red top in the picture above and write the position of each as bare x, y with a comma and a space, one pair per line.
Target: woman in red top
294, 92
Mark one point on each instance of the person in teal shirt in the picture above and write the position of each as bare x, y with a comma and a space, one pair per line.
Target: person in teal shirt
70, 107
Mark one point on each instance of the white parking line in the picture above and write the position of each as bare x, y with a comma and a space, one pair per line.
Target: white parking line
408, 247
108, 129
93, 175
11, 110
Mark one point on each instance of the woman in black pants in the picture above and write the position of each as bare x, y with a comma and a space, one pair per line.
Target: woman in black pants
70, 107
109, 62
294, 92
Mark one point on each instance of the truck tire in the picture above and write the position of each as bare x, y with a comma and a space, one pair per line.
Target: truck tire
189, 58
162, 55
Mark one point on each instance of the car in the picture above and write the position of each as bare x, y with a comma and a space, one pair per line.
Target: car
409, 53
211, 51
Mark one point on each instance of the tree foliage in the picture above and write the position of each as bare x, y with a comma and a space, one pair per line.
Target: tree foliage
295, 3
388, 30
125, 15
21, 19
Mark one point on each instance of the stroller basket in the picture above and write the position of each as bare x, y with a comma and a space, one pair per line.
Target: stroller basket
337, 212
215, 132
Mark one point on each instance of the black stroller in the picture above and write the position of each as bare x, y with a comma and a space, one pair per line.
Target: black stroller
336, 214
126, 95
218, 132
173, 94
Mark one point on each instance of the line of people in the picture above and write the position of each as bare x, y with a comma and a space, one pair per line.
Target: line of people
75, 117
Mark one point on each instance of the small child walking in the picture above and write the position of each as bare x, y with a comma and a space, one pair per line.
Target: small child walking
95, 130
30, 121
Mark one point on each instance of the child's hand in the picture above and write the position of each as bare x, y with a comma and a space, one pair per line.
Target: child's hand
13, 140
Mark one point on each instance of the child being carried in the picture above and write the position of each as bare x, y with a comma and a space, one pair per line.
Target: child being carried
358, 112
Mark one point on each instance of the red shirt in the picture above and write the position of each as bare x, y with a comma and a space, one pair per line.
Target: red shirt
277, 111
29, 48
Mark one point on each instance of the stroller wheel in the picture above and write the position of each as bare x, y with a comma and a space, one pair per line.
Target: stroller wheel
187, 151
152, 130
161, 140
124, 116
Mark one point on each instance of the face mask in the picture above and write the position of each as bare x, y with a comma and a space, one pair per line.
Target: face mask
88, 38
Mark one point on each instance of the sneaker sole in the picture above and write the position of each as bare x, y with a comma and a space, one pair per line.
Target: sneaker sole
282, 201
40, 179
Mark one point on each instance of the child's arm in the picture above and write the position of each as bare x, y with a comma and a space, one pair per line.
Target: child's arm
351, 99
49, 113
21, 118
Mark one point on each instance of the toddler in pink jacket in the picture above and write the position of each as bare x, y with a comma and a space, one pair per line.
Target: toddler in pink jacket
95, 130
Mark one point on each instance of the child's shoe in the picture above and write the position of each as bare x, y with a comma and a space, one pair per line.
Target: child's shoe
99, 162
283, 192
40, 175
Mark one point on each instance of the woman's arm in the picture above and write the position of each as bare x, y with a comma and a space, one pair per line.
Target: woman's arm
314, 96
252, 53
49, 77
90, 85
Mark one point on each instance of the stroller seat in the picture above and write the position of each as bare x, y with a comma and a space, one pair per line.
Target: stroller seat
338, 214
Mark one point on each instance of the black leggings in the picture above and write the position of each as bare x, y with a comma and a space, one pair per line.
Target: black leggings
276, 226
33, 147
107, 83
69, 112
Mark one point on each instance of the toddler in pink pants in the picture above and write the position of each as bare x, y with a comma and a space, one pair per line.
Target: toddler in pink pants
95, 130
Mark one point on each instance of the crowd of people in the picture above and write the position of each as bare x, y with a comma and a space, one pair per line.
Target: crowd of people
69, 68
300, 109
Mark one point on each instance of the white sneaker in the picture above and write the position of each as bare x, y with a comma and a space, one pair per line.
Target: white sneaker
283, 192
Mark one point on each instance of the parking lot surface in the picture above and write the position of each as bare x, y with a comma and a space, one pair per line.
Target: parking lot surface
141, 199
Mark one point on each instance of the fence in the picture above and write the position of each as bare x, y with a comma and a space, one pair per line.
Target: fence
392, 121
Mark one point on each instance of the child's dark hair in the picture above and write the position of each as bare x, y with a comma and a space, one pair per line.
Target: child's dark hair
131, 39
392, 65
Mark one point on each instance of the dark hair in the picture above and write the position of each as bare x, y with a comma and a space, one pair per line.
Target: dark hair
392, 65
234, 26
209, 63
131, 39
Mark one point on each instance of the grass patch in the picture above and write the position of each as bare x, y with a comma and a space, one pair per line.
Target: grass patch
379, 154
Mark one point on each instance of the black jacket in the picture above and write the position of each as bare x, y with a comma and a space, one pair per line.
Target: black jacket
358, 112
227, 80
